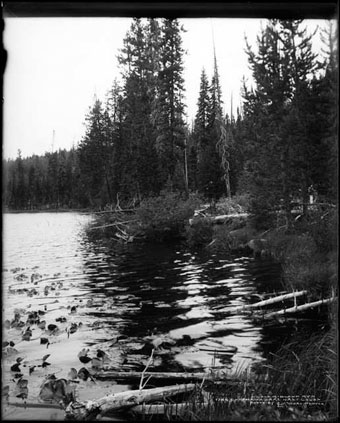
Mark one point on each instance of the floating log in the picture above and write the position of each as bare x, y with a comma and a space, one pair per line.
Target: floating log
90, 409
266, 302
109, 374
301, 307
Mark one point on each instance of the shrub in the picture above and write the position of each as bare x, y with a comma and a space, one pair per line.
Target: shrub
165, 217
227, 239
199, 233
321, 225
236, 204
307, 255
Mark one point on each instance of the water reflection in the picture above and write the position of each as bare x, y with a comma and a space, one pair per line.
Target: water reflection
169, 291
135, 291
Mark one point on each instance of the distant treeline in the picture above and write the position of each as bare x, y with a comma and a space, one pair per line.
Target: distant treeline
38, 182
280, 144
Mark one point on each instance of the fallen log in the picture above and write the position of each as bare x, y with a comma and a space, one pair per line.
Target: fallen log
265, 302
108, 211
112, 224
200, 212
109, 374
223, 218
34, 405
301, 307
90, 409
167, 409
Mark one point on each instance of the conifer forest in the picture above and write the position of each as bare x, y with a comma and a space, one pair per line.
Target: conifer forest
280, 145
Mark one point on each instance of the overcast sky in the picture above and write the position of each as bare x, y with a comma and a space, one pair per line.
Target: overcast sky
56, 66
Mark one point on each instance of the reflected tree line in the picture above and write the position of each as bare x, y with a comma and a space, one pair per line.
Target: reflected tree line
282, 141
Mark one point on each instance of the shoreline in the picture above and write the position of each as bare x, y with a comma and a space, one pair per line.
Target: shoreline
61, 210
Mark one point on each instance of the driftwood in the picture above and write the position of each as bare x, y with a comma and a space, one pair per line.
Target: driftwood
266, 302
301, 307
122, 400
167, 409
109, 374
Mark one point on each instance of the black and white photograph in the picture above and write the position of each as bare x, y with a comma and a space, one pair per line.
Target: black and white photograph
170, 214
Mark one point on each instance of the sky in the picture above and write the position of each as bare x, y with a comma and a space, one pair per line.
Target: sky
57, 66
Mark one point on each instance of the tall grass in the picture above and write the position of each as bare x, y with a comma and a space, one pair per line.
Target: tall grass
298, 383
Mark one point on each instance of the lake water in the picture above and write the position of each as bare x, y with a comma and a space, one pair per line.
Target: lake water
124, 297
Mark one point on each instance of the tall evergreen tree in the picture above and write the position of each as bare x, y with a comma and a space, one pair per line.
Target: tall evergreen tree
170, 126
139, 151
282, 70
94, 153
327, 90
211, 138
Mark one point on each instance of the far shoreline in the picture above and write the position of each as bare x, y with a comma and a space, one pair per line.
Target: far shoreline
61, 210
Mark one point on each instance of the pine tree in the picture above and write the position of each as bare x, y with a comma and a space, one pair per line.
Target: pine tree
114, 116
94, 153
274, 110
20, 187
202, 116
200, 135
139, 173
327, 88
212, 162
170, 126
